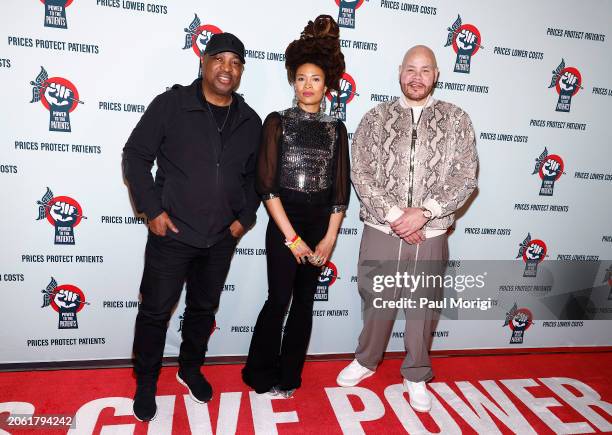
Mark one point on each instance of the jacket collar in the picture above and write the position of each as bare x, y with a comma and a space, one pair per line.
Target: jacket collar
403, 102
189, 98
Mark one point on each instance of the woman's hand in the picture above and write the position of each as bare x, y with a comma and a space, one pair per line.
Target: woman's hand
301, 252
323, 251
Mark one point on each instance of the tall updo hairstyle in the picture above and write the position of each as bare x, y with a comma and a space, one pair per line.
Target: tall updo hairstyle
319, 44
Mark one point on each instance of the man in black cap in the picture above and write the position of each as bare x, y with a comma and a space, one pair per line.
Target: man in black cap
202, 200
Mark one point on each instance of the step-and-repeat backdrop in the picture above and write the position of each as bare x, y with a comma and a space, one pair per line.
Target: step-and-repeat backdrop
76, 76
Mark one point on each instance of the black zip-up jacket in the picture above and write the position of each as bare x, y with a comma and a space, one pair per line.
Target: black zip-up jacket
202, 191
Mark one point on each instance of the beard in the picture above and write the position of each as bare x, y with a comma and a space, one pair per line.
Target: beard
416, 91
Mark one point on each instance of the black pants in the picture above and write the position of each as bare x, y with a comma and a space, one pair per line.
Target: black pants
168, 264
269, 362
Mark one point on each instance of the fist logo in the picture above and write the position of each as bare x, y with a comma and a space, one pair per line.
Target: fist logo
568, 83
534, 252
466, 42
63, 213
67, 300
345, 90
520, 321
202, 39
325, 275
58, 96
551, 168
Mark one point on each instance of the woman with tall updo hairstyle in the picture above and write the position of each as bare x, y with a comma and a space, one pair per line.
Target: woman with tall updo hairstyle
303, 179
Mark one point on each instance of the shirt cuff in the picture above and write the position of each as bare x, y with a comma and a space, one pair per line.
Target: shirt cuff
394, 214
433, 206
267, 196
152, 213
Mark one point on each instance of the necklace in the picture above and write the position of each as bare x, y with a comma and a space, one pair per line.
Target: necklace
219, 129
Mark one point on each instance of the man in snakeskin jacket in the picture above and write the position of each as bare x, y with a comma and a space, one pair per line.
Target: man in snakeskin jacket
414, 164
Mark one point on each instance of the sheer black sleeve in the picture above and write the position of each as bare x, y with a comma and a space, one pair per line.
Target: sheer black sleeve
267, 180
342, 182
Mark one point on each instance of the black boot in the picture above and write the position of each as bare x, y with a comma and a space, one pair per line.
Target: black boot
199, 388
145, 408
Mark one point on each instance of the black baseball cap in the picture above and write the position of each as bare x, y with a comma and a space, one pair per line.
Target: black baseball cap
221, 42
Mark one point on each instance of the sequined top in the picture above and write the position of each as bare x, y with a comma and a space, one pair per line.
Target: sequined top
304, 152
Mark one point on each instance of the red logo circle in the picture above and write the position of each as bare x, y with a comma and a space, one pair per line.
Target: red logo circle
557, 159
571, 70
469, 28
63, 82
353, 89
329, 272
359, 3
539, 243
205, 28
70, 288
67, 200
523, 312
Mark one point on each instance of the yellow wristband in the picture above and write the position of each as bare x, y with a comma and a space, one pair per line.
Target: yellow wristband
293, 244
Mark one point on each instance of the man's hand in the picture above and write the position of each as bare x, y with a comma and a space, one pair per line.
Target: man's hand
568, 82
160, 225
415, 238
466, 42
237, 229
66, 299
411, 221
58, 95
63, 212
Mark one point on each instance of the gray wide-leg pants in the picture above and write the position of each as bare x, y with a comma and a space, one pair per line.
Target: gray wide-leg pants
383, 254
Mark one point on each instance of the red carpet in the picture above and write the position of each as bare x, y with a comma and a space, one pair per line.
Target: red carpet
569, 393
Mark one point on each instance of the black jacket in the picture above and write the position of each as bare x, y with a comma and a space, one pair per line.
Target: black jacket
202, 192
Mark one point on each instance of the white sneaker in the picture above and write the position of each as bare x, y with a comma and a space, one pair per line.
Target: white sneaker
420, 399
352, 374
274, 391
277, 392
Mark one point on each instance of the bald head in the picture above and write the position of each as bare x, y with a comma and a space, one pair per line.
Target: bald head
418, 74
420, 51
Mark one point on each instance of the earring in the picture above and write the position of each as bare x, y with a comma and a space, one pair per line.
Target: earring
294, 102
323, 104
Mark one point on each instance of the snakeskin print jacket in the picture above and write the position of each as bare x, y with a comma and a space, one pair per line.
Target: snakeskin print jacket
397, 163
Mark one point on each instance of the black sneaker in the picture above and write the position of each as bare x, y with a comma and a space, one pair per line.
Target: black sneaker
144, 407
199, 388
